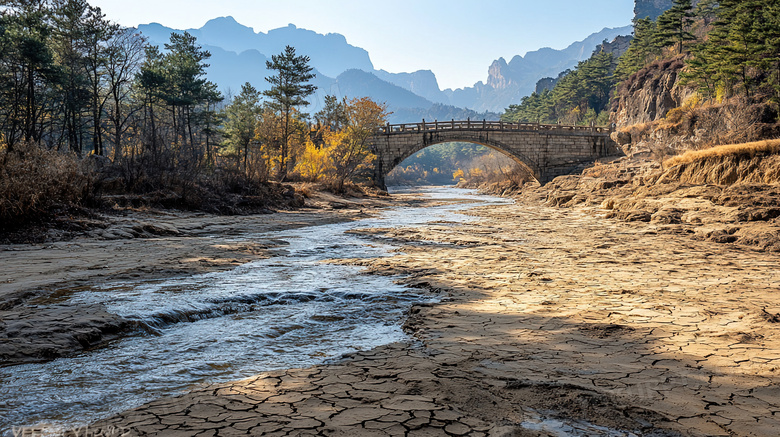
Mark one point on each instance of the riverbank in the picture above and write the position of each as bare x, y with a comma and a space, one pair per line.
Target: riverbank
556, 320
133, 245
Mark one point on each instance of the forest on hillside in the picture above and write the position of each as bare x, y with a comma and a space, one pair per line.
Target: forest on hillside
89, 109
729, 49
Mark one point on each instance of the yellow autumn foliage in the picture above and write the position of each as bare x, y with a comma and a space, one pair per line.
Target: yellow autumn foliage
314, 164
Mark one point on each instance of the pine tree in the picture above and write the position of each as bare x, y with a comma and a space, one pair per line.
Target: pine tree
673, 26
735, 42
240, 121
289, 90
771, 32
333, 115
28, 72
742, 51
186, 83
151, 81
596, 80
641, 50
67, 40
706, 10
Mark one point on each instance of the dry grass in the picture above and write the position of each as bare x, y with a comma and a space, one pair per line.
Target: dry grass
638, 130
744, 149
601, 170
35, 182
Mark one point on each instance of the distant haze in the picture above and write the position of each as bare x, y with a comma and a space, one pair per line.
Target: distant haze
239, 54
456, 39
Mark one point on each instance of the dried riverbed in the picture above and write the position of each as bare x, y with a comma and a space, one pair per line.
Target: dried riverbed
556, 322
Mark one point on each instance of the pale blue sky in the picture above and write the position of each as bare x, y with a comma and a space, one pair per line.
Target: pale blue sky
457, 39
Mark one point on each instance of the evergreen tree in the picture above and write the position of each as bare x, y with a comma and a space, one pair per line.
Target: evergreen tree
536, 108
210, 119
289, 90
735, 43
641, 50
702, 71
151, 82
578, 97
596, 81
770, 27
240, 121
28, 71
68, 42
706, 11
673, 26
186, 86
333, 115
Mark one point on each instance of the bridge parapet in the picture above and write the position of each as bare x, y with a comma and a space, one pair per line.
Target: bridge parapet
484, 125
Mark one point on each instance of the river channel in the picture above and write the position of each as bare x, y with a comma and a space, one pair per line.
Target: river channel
288, 311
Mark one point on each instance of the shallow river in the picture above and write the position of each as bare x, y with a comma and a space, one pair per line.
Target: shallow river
291, 310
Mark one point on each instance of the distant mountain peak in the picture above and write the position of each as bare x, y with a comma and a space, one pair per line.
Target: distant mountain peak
239, 55
226, 19
498, 74
330, 54
508, 83
227, 24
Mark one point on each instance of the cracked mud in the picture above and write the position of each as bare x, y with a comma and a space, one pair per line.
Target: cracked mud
555, 320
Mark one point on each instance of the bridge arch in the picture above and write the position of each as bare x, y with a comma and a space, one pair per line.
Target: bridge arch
523, 161
547, 150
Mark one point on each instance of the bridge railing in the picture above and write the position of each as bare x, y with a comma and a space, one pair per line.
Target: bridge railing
454, 125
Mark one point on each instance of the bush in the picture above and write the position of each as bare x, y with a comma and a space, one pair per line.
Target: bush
35, 182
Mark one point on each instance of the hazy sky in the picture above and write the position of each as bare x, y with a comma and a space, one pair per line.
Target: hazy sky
457, 39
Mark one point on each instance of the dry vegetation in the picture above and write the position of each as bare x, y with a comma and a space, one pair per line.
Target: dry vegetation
492, 168
745, 149
698, 125
35, 183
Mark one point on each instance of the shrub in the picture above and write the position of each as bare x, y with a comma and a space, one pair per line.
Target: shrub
35, 182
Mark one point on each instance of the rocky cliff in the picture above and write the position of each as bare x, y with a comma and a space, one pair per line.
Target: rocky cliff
422, 82
617, 47
651, 8
649, 94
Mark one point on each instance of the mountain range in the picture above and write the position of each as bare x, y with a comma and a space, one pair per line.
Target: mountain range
238, 55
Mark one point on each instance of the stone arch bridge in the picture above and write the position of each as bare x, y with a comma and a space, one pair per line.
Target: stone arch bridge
546, 150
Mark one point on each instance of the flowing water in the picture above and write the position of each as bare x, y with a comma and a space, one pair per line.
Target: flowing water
291, 310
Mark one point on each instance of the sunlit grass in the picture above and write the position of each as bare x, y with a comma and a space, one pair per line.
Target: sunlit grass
743, 149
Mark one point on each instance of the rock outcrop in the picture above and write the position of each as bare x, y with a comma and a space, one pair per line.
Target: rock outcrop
651, 8
649, 94
617, 47
727, 199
